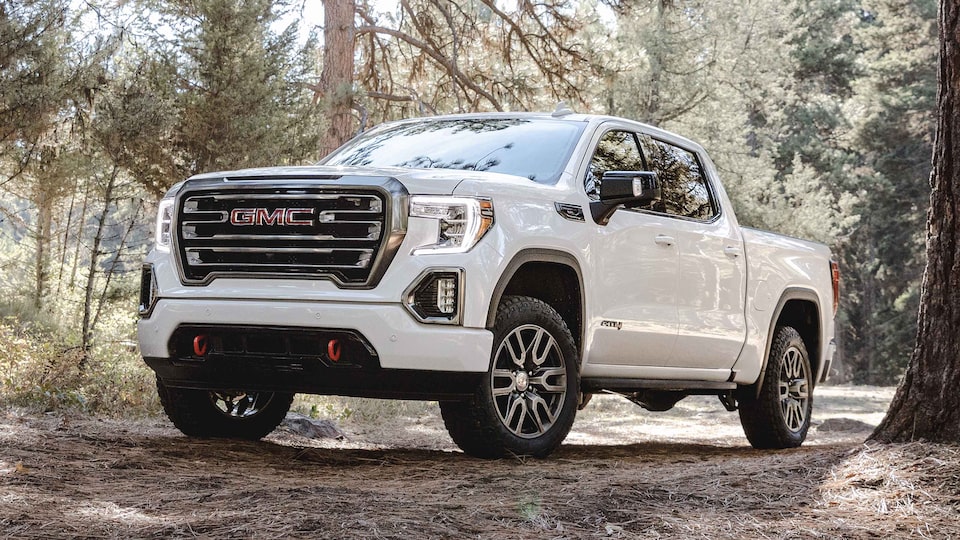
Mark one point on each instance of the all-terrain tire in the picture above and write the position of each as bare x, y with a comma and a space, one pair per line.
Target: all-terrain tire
200, 413
527, 401
779, 415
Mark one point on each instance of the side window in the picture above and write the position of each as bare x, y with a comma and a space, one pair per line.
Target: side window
684, 186
616, 151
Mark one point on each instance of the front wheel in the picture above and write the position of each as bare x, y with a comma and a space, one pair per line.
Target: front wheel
779, 415
528, 399
232, 415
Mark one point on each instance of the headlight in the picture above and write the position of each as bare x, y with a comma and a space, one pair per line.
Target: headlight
164, 224
164, 229
461, 221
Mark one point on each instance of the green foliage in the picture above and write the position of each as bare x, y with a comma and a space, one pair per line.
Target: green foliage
245, 106
34, 75
893, 116
93, 129
665, 60
226, 92
40, 369
822, 46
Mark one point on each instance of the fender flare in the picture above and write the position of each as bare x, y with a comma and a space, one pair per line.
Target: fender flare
790, 293
536, 255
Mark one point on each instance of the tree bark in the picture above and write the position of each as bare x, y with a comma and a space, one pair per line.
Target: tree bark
336, 79
927, 403
114, 265
86, 336
44, 196
44, 223
66, 237
79, 235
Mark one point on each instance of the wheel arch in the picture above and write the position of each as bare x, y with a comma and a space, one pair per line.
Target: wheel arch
799, 308
524, 275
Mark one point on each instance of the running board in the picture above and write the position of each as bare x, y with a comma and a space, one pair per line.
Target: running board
621, 385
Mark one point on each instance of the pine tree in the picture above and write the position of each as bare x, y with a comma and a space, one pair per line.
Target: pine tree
228, 92
893, 131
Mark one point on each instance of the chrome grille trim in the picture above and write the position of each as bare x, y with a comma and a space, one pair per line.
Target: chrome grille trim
356, 225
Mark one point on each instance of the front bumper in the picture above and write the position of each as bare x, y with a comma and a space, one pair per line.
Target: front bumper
410, 359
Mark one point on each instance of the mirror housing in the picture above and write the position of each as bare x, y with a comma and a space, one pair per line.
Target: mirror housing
627, 188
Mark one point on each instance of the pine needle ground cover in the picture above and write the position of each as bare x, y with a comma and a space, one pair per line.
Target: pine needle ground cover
623, 473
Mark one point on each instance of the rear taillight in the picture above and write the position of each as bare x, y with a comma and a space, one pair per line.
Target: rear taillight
835, 277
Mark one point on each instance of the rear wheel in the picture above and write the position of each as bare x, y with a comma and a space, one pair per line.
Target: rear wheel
528, 400
228, 414
779, 415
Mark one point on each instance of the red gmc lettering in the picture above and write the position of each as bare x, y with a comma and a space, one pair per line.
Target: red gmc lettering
279, 216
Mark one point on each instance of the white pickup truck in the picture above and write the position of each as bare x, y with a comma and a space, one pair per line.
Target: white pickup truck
508, 266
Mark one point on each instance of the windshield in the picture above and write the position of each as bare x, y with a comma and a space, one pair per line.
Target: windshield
533, 148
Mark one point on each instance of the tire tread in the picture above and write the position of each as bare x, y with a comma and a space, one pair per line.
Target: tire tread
760, 416
195, 416
473, 424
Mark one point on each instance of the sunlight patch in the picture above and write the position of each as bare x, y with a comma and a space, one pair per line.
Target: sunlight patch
907, 482
13, 468
109, 511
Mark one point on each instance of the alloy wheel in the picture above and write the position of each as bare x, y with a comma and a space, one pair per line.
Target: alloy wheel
794, 389
529, 381
240, 404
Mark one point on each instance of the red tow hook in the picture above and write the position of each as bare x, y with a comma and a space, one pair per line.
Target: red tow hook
200, 345
333, 350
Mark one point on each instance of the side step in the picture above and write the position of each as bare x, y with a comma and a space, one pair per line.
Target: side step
632, 385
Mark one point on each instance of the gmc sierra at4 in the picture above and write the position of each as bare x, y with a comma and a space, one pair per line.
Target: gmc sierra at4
506, 265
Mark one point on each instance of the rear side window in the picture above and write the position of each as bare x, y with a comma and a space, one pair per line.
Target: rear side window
685, 192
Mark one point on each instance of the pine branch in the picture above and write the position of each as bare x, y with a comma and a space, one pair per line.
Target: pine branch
458, 76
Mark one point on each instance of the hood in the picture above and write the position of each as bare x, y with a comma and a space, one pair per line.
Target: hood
417, 181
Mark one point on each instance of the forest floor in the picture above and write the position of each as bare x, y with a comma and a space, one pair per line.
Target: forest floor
622, 473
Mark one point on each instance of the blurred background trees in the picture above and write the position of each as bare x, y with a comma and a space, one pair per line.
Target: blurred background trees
819, 114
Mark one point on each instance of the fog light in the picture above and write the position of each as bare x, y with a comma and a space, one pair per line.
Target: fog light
447, 295
435, 297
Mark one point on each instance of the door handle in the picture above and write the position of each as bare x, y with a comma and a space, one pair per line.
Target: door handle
663, 240
731, 251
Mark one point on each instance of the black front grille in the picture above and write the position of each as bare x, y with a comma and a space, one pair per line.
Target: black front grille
295, 231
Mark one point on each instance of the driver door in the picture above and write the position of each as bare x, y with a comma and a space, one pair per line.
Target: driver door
635, 264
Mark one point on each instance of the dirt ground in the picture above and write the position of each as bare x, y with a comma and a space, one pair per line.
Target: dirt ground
623, 473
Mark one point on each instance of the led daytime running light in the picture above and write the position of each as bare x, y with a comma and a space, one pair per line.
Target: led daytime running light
164, 228
461, 221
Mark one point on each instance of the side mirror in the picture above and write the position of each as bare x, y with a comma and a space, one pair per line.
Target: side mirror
627, 188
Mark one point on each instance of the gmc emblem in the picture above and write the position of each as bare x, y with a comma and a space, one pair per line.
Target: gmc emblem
280, 216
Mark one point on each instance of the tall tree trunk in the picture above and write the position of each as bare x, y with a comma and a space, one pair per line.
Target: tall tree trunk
115, 265
44, 202
82, 220
927, 404
336, 79
66, 237
87, 329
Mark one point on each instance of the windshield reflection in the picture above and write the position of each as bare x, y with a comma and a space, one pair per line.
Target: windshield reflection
536, 149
